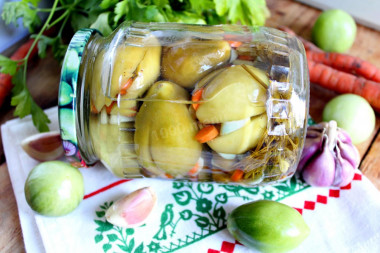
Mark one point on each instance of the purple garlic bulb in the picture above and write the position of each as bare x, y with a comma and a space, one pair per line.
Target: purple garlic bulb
329, 158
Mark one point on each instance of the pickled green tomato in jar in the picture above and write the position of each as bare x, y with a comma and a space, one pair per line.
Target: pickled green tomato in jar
223, 103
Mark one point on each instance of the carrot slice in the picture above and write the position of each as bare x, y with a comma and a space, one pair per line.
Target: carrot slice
168, 175
194, 170
93, 109
237, 175
234, 44
207, 133
197, 96
109, 108
125, 87
246, 57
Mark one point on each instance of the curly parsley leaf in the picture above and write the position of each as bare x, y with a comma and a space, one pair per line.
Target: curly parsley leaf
102, 25
40, 119
121, 9
7, 66
247, 12
12, 11
25, 105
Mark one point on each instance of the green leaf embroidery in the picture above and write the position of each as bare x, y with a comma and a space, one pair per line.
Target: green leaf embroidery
129, 231
182, 197
107, 247
205, 188
112, 237
202, 222
100, 214
140, 248
98, 238
103, 226
219, 213
186, 214
131, 245
221, 198
123, 247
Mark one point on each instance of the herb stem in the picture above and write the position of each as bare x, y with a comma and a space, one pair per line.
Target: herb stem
67, 12
38, 37
50, 9
63, 26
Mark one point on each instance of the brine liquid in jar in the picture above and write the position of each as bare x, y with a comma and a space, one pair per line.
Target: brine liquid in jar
222, 103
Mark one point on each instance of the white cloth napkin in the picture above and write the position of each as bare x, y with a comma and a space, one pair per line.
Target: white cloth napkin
188, 217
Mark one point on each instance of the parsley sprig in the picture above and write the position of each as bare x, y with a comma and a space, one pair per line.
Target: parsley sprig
106, 15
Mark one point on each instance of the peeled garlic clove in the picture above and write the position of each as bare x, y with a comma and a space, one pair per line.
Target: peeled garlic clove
133, 209
350, 153
43, 146
320, 171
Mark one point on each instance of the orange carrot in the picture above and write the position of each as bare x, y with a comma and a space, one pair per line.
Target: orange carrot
5, 79
109, 108
93, 109
346, 63
207, 133
246, 57
342, 82
234, 44
167, 175
237, 175
194, 170
125, 87
197, 96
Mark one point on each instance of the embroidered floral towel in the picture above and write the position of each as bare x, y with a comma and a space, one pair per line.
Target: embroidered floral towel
189, 217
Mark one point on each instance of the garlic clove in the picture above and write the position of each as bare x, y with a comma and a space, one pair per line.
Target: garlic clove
43, 146
133, 209
350, 153
344, 136
320, 171
344, 171
310, 149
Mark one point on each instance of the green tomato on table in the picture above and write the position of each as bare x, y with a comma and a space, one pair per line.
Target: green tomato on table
54, 188
334, 31
352, 113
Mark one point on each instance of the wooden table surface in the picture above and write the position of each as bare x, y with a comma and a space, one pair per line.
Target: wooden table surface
43, 83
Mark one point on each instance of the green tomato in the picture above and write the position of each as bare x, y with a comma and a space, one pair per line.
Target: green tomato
352, 113
267, 226
334, 31
54, 188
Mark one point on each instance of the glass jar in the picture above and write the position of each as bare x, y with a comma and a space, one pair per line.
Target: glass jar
224, 103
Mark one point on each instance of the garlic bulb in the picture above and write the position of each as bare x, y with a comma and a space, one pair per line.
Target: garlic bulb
329, 158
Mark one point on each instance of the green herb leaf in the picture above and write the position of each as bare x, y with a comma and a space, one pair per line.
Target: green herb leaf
7, 66
105, 4
161, 3
25, 105
42, 45
221, 7
200, 6
248, 12
121, 9
12, 11
188, 18
102, 24
39, 118
154, 14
